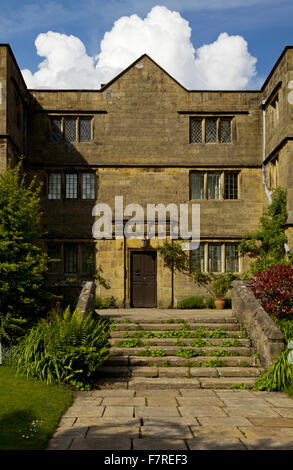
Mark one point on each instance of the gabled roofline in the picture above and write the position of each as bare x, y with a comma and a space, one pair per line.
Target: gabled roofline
134, 63
275, 66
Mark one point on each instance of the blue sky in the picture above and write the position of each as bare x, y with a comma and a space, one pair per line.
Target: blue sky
265, 25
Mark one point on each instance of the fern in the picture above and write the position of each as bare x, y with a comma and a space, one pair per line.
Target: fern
64, 349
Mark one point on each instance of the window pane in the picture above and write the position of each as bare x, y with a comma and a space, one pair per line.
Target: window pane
225, 130
56, 134
214, 186
197, 259
195, 130
70, 258
71, 186
70, 130
215, 258
85, 131
54, 253
197, 185
88, 186
232, 259
231, 186
88, 258
54, 186
211, 130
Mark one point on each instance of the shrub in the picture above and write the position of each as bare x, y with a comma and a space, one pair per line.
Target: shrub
274, 288
192, 302
210, 303
24, 291
63, 349
104, 302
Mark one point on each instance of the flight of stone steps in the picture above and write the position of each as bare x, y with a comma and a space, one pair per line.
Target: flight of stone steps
182, 349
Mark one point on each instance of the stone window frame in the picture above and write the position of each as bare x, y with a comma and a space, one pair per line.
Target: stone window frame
77, 118
204, 260
79, 193
79, 262
218, 119
222, 173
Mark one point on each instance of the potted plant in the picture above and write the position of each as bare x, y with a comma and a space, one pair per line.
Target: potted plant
220, 287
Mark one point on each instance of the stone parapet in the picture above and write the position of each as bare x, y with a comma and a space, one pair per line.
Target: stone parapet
86, 300
265, 335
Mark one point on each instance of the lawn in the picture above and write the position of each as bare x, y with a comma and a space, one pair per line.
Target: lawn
29, 410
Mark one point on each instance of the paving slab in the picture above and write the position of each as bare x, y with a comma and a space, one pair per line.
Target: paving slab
130, 431
280, 402
267, 444
115, 411
156, 411
241, 402
216, 432
161, 401
251, 412
168, 431
59, 443
265, 432
113, 393
285, 412
198, 411
172, 420
86, 411
118, 401
198, 393
272, 422
227, 421
73, 432
215, 444
199, 401
159, 444
101, 444
107, 421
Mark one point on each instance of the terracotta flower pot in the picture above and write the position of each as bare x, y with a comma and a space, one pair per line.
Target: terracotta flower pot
219, 303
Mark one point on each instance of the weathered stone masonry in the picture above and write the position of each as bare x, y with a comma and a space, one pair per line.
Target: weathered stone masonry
134, 136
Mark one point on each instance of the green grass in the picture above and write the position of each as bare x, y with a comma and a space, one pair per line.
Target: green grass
30, 410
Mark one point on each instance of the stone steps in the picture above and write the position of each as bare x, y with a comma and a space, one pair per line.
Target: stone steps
172, 350
153, 361
176, 326
175, 361
187, 341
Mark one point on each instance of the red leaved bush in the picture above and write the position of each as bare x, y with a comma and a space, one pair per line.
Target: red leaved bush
274, 288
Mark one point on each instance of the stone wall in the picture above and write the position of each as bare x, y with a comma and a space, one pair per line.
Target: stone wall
86, 301
265, 335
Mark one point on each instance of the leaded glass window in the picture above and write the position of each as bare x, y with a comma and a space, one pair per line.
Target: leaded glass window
54, 254
231, 258
54, 186
215, 258
197, 259
88, 258
88, 186
214, 186
70, 258
70, 130
56, 132
195, 130
71, 185
225, 130
211, 130
231, 185
85, 130
197, 185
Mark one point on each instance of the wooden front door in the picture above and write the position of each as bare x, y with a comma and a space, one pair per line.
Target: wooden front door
144, 279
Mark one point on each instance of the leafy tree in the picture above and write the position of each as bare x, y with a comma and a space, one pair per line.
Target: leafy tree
24, 295
267, 245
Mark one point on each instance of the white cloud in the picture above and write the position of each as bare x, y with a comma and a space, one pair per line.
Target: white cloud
164, 35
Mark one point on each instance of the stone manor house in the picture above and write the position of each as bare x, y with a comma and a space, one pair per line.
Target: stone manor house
145, 137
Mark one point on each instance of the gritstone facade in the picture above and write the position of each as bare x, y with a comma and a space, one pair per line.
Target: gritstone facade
145, 137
